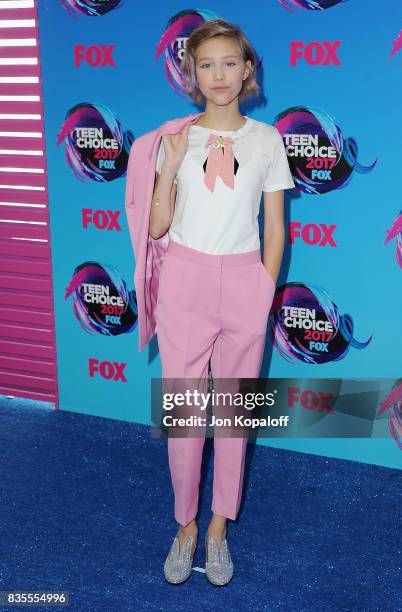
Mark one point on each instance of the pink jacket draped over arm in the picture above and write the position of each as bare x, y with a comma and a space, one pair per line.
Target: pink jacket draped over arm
149, 253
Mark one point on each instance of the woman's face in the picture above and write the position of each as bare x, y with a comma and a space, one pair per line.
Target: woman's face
219, 63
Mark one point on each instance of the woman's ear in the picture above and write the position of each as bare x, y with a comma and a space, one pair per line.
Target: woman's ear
250, 69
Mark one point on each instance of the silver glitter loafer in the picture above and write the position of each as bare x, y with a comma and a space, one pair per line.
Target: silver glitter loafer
219, 566
178, 564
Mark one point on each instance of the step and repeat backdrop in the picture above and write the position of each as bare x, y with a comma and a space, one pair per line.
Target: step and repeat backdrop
330, 76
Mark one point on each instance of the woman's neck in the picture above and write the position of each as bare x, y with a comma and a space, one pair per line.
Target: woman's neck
221, 121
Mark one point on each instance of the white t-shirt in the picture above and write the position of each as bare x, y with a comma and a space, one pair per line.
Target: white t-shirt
226, 220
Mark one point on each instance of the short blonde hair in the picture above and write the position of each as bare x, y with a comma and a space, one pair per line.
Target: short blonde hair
205, 31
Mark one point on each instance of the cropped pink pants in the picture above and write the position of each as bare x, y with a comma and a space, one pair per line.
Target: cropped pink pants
211, 307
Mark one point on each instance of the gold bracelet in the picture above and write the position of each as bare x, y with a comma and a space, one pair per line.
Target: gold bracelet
156, 202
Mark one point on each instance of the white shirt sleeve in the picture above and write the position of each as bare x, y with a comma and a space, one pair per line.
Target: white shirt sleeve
161, 158
278, 174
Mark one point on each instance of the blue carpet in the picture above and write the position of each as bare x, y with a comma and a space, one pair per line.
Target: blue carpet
87, 507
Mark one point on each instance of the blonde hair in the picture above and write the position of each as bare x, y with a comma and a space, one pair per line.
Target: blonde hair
205, 31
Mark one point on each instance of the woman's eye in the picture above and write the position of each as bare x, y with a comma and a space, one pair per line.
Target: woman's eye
228, 63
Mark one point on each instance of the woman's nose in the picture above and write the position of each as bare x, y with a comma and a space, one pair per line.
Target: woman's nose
218, 76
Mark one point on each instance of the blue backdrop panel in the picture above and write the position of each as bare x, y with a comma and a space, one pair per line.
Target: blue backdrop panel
110, 74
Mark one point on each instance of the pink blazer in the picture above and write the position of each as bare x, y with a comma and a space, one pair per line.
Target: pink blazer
148, 252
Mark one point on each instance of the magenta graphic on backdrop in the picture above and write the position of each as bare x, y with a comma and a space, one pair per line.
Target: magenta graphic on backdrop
319, 156
91, 8
396, 232
101, 301
310, 5
97, 148
393, 402
173, 43
305, 325
396, 45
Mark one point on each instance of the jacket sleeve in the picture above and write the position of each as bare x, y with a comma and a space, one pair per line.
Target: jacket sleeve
129, 194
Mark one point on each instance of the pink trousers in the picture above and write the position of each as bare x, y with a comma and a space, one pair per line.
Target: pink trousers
210, 308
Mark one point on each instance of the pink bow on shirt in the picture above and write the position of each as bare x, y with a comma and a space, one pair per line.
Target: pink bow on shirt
219, 163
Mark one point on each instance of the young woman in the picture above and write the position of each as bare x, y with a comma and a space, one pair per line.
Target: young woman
215, 293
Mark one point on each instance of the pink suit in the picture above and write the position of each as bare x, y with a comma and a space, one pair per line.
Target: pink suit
202, 307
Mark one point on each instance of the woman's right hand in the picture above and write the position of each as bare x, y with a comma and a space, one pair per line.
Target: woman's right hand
176, 147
